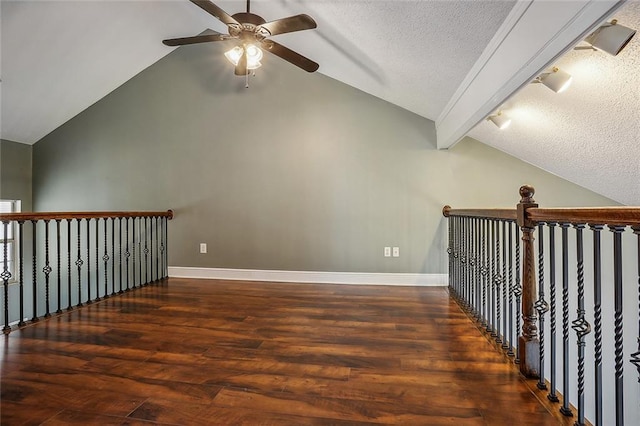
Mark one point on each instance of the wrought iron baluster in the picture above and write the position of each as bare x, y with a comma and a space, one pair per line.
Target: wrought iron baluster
133, 247
450, 249
140, 250
635, 357
618, 339
552, 290
69, 304
580, 324
151, 248
34, 226
597, 321
146, 251
47, 270
541, 305
113, 256
157, 251
127, 254
21, 322
88, 261
505, 339
5, 275
511, 289
120, 255
166, 246
105, 259
517, 292
477, 272
498, 281
79, 263
97, 260
484, 272
58, 267
565, 409
493, 279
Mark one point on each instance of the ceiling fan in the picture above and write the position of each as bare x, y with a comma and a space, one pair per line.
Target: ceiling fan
252, 31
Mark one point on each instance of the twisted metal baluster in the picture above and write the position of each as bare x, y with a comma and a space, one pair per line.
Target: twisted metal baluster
146, 252
492, 285
541, 305
465, 289
483, 272
5, 276
88, 261
477, 279
565, 409
113, 256
34, 227
120, 290
511, 289
79, 263
498, 281
580, 324
97, 260
635, 357
597, 321
133, 249
517, 292
551, 396
58, 267
47, 270
105, 259
21, 322
69, 305
505, 339
127, 254
157, 251
618, 339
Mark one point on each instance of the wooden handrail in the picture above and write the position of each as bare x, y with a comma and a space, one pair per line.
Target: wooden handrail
587, 215
25, 216
507, 214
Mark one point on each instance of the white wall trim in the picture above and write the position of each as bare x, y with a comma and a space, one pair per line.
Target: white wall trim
359, 278
532, 37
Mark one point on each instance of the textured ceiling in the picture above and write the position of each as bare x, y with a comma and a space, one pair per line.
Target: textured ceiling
588, 134
59, 57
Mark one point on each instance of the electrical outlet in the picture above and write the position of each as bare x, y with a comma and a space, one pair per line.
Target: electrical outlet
396, 252
203, 248
387, 252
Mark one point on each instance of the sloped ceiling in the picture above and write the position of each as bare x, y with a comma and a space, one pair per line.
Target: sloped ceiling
59, 57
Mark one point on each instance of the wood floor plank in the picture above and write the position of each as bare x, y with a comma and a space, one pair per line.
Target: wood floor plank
197, 352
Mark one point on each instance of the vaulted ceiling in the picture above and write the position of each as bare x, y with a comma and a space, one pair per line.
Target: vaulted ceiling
452, 62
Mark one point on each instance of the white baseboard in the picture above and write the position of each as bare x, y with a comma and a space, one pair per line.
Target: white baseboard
359, 278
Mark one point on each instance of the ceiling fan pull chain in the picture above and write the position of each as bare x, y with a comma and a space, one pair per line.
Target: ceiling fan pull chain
246, 80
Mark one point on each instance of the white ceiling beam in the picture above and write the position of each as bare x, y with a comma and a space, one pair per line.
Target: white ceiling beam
534, 35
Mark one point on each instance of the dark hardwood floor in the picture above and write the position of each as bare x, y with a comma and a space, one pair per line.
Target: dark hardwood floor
199, 352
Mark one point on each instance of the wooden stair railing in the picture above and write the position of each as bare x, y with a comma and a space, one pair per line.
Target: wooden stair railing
62, 260
520, 308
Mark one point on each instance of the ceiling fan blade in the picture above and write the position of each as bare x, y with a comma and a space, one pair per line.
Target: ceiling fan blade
290, 56
290, 24
241, 68
216, 11
196, 39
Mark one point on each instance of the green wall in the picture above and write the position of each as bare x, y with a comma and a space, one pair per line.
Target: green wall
16, 172
298, 172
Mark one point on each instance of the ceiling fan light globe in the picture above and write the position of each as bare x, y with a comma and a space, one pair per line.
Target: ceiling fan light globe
234, 55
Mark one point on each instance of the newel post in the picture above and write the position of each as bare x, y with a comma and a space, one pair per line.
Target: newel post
529, 353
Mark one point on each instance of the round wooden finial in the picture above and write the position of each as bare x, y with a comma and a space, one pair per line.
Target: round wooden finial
445, 210
170, 216
527, 192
